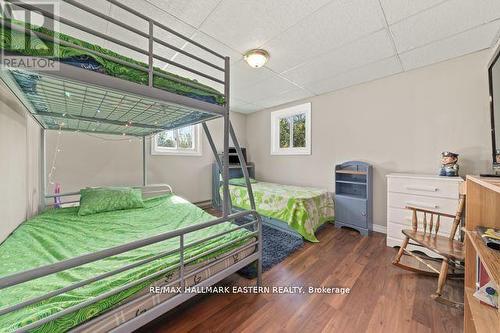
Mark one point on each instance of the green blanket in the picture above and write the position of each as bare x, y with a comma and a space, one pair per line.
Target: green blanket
60, 234
305, 209
14, 41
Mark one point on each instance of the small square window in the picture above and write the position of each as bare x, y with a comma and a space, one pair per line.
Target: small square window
291, 130
181, 141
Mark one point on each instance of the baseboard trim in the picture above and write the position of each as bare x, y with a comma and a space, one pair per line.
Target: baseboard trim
204, 204
380, 228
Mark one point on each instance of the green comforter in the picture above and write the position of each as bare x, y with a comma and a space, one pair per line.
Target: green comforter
60, 234
305, 209
14, 41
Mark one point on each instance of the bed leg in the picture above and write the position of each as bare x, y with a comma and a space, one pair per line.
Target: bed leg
260, 248
259, 272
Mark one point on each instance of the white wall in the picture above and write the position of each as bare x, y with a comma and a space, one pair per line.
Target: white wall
87, 160
19, 143
398, 124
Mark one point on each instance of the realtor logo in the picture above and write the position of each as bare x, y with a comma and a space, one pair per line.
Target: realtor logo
27, 35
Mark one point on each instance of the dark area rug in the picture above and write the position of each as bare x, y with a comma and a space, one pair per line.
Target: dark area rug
277, 245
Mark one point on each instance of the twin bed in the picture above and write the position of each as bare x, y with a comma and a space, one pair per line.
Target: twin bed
297, 209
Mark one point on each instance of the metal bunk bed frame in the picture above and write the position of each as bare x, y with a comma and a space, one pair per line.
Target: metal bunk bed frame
80, 75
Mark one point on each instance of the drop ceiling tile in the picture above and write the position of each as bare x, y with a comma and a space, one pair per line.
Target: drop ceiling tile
193, 12
242, 106
244, 24
285, 97
215, 45
185, 60
142, 25
273, 86
366, 73
396, 10
334, 25
464, 43
452, 17
242, 75
84, 18
361, 52
75, 14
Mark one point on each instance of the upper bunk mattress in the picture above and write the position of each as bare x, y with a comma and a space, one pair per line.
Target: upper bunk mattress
14, 41
59, 234
305, 209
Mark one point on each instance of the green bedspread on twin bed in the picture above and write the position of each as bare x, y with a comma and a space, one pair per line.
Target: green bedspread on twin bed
61, 234
305, 209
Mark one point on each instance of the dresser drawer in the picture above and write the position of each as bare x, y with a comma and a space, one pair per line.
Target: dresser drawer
443, 205
426, 187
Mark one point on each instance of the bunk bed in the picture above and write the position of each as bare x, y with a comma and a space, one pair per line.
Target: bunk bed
67, 278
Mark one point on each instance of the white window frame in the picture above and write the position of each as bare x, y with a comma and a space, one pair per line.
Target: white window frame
196, 151
275, 126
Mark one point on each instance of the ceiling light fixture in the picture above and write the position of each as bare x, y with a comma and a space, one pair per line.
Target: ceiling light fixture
256, 58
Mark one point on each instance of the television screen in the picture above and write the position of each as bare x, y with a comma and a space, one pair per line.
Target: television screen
494, 82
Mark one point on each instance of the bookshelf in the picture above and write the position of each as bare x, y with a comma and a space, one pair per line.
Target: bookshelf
353, 196
482, 209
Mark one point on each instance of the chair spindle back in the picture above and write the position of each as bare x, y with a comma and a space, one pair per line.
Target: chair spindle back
431, 220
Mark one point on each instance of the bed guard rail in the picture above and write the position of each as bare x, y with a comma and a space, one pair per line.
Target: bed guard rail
73, 197
151, 36
254, 239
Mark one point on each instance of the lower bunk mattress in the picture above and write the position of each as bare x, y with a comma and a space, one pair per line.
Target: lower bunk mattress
304, 209
145, 300
59, 234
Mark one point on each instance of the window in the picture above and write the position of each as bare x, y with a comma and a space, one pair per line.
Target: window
181, 141
291, 131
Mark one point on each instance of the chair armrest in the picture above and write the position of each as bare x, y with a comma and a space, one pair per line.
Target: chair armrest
430, 211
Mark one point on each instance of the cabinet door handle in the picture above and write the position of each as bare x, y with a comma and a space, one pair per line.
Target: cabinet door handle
421, 204
422, 188
363, 213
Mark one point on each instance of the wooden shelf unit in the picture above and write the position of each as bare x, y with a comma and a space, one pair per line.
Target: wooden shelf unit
352, 172
484, 316
490, 258
353, 196
482, 209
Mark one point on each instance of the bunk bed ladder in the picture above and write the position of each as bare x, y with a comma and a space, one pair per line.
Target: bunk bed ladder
224, 165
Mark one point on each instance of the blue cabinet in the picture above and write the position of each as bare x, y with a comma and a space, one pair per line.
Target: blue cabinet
353, 196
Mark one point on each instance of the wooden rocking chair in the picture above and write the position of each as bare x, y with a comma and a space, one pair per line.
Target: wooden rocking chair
450, 249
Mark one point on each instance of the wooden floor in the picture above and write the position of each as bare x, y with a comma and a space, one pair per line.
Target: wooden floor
383, 298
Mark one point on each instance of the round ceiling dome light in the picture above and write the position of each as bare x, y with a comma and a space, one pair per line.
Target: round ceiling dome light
256, 58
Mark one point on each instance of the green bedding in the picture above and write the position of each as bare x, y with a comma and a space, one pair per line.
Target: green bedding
305, 209
14, 41
60, 234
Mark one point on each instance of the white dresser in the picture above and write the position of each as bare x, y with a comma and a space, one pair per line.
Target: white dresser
422, 191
